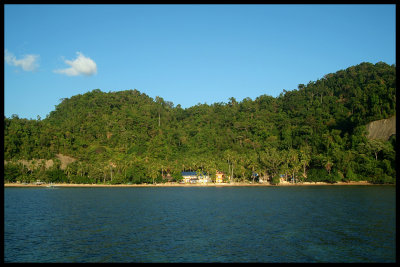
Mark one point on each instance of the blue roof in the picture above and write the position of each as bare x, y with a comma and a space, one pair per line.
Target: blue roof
188, 173
192, 173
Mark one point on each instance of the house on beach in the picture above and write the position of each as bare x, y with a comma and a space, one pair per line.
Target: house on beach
204, 178
194, 177
189, 176
219, 178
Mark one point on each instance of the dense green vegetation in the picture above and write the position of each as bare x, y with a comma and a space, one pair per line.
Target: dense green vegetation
313, 133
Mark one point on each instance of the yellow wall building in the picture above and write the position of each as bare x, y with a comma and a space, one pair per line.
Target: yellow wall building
219, 178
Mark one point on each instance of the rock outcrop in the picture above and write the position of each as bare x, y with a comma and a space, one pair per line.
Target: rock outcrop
382, 129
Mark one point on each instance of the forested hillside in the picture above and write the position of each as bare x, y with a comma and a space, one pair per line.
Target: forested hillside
316, 132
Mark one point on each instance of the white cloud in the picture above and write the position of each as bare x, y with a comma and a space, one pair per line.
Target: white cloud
27, 63
81, 65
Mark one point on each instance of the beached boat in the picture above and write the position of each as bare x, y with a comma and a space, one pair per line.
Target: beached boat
51, 185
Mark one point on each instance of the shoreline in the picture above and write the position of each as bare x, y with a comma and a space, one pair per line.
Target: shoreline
187, 185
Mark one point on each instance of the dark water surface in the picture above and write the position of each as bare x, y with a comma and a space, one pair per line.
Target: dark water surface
200, 224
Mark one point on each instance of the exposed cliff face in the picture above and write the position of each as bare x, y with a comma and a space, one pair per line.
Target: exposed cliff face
35, 163
382, 129
65, 160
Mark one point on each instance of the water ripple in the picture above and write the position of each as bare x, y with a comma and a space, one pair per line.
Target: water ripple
307, 224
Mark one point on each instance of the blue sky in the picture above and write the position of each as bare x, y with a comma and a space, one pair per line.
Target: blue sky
186, 54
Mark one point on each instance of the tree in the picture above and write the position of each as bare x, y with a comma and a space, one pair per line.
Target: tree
328, 165
271, 160
152, 170
11, 172
294, 163
375, 146
305, 158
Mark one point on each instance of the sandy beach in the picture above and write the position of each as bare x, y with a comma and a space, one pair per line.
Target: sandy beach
184, 185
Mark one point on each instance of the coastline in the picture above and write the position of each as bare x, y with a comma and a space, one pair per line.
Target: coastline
185, 185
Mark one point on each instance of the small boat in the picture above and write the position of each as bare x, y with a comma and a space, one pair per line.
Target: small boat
50, 185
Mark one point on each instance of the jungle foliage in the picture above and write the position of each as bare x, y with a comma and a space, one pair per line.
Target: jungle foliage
313, 133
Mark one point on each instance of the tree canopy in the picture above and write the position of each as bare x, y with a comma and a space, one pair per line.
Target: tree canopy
315, 132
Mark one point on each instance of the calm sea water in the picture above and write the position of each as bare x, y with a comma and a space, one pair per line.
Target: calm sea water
200, 224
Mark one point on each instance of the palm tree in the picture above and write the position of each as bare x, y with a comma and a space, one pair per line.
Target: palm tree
285, 163
105, 170
152, 170
305, 157
328, 165
293, 162
69, 170
253, 164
